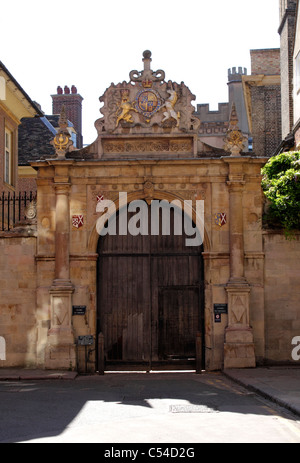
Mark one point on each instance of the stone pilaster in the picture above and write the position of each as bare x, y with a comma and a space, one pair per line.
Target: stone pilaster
239, 345
60, 352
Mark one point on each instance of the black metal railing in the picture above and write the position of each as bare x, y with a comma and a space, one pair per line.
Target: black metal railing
13, 207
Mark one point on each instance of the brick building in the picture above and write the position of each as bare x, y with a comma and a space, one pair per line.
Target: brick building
262, 90
257, 99
287, 37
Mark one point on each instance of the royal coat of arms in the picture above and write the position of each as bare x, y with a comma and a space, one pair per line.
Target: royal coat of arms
145, 101
148, 102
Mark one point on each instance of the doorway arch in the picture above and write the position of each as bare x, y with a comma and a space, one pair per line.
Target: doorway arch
150, 294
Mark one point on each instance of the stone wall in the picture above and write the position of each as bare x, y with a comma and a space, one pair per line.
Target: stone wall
272, 272
18, 299
282, 296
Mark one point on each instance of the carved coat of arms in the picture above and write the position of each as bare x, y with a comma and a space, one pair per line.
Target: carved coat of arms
220, 219
77, 221
145, 101
148, 102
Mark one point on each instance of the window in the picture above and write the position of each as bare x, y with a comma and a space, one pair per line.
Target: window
8, 157
297, 74
2, 88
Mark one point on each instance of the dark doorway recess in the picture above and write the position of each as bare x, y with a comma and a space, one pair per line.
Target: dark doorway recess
150, 298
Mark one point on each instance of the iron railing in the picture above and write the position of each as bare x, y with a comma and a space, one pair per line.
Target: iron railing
13, 207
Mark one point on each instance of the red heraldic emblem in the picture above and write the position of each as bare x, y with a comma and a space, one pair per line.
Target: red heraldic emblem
77, 221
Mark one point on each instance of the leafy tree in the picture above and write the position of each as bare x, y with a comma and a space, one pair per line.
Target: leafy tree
281, 185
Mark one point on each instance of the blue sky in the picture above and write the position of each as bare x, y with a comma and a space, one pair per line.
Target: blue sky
93, 43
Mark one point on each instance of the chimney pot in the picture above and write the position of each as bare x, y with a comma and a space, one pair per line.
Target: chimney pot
74, 89
67, 90
59, 90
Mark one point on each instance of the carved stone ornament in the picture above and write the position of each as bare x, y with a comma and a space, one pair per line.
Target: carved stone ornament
30, 211
62, 141
234, 140
145, 101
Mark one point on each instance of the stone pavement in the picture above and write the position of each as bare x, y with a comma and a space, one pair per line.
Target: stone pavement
281, 385
278, 384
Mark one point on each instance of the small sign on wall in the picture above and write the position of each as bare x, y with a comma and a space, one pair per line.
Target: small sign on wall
85, 340
218, 310
78, 309
217, 318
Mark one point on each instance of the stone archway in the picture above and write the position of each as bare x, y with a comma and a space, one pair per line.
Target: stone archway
150, 298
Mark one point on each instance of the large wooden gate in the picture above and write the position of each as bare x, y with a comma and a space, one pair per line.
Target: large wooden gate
150, 299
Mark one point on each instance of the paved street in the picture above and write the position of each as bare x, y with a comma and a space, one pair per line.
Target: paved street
141, 408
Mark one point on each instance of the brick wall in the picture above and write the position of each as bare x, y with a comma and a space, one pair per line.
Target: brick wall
287, 31
27, 184
265, 101
266, 119
266, 61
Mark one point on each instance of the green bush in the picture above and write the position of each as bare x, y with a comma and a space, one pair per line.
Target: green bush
281, 185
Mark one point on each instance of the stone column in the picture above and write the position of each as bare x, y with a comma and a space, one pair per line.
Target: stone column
236, 186
62, 235
239, 345
61, 352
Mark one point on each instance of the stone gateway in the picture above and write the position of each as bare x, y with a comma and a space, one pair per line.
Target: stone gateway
149, 298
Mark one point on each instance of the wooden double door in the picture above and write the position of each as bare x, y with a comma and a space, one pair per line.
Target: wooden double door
150, 300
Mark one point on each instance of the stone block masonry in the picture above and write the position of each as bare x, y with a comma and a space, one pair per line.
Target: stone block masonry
18, 300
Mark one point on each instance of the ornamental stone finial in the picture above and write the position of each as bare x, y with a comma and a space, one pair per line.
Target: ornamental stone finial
62, 141
234, 140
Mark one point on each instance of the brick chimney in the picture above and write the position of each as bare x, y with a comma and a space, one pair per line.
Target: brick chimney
73, 106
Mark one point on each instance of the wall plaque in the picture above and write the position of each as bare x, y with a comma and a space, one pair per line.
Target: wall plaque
86, 340
78, 309
220, 308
